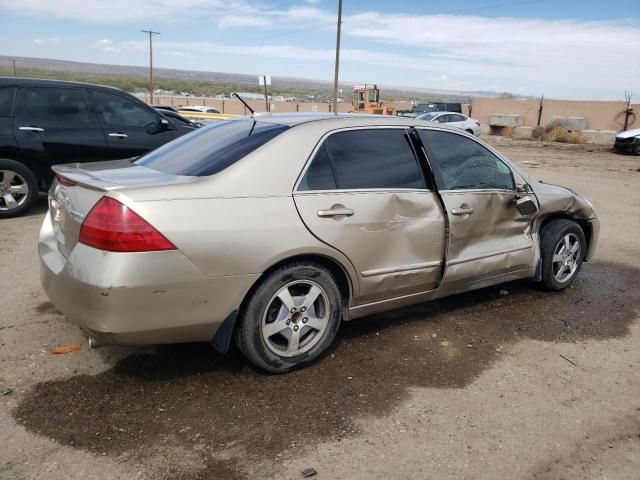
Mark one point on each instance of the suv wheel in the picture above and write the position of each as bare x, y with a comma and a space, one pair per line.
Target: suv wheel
18, 188
291, 319
562, 248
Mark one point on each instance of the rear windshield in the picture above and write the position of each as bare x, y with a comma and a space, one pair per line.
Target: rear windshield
211, 149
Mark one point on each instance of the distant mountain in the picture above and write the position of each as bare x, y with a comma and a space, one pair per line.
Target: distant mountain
66, 66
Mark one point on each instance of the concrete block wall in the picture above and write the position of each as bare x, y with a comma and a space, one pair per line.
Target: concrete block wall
598, 115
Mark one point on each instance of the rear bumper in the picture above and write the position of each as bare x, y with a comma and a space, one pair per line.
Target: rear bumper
137, 298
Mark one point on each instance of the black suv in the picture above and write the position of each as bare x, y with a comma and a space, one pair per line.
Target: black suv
47, 122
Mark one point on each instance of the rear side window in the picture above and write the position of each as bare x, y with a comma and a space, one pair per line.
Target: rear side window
6, 101
209, 150
119, 111
53, 104
460, 163
376, 158
319, 175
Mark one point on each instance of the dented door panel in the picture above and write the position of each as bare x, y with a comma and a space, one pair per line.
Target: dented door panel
492, 239
395, 239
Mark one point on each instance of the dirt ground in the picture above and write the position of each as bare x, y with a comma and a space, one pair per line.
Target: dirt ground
506, 382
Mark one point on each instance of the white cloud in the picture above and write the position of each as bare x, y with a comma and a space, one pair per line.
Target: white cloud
545, 55
48, 41
106, 45
242, 21
121, 11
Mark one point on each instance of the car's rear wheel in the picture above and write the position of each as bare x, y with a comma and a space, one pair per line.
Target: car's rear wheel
562, 247
18, 188
291, 318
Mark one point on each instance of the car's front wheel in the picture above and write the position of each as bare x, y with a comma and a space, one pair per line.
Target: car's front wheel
291, 318
562, 248
18, 188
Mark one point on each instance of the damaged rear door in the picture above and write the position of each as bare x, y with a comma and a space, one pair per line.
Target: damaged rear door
488, 236
365, 194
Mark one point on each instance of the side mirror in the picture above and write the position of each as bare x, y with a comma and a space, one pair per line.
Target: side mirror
164, 124
526, 206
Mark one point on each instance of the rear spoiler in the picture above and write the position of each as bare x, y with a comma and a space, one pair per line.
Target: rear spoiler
73, 172
88, 174
115, 175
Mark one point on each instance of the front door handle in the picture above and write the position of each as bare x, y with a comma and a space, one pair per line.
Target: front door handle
31, 129
336, 211
462, 211
118, 135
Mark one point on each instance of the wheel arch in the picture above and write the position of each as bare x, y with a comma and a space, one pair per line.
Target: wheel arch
584, 224
339, 272
35, 168
542, 224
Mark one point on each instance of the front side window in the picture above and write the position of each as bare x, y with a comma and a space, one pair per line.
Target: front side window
365, 159
460, 163
118, 111
6, 101
53, 104
209, 150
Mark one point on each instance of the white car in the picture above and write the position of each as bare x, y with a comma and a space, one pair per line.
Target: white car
628, 142
454, 120
199, 108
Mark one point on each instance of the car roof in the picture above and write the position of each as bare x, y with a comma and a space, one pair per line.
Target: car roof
10, 81
328, 121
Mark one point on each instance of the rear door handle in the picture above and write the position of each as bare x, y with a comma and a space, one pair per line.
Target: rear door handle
462, 211
335, 211
31, 129
118, 135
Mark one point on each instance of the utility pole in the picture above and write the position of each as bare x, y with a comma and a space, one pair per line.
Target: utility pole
266, 93
151, 33
540, 108
627, 111
335, 78
14, 67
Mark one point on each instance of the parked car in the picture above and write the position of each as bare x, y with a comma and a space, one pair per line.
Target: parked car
628, 142
47, 122
199, 108
177, 120
453, 119
423, 108
272, 230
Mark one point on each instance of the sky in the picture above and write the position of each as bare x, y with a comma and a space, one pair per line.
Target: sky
573, 49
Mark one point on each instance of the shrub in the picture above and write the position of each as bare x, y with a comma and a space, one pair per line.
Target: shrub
538, 133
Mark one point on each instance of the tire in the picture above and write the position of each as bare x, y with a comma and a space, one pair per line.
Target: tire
562, 248
636, 148
18, 188
265, 332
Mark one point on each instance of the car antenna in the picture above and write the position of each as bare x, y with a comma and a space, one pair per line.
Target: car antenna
243, 102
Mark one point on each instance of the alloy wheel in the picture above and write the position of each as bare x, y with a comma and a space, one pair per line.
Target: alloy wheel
295, 319
566, 257
14, 190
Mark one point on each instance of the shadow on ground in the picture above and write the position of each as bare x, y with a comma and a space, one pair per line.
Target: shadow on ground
190, 398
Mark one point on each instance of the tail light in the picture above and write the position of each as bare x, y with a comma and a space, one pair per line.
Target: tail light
112, 226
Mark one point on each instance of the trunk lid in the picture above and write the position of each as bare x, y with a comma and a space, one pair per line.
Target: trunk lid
78, 187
